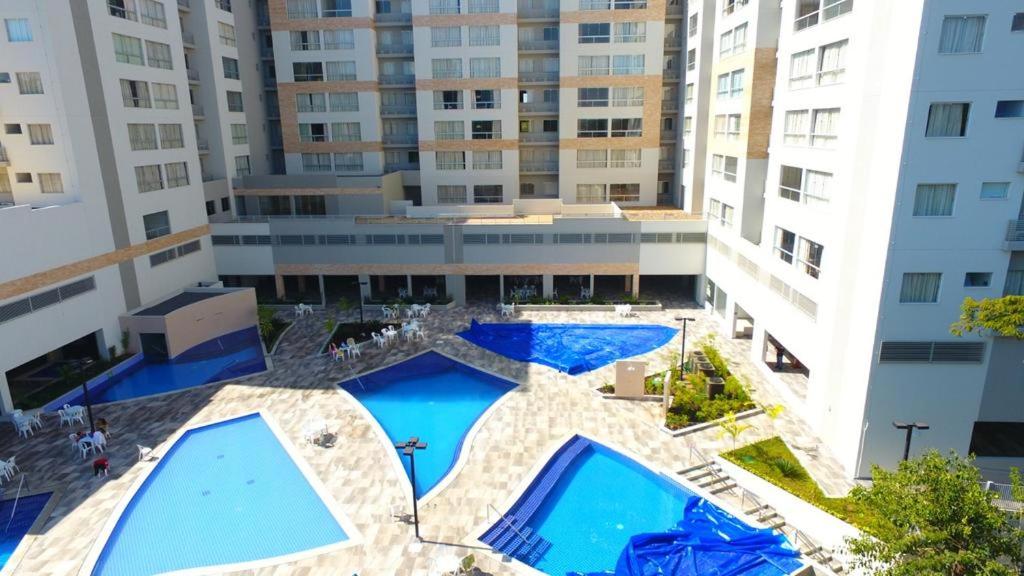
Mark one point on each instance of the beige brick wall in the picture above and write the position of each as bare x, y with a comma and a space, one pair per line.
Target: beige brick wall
286, 92
759, 126
468, 84
457, 145
279, 20
655, 11
651, 112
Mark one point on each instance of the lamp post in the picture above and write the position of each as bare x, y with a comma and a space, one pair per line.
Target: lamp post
909, 427
682, 362
88, 404
409, 448
361, 284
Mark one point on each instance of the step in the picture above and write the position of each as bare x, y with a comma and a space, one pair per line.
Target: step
506, 535
729, 485
693, 468
703, 474
538, 552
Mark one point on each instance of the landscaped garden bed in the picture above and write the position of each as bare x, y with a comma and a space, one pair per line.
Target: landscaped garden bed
69, 379
772, 461
271, 327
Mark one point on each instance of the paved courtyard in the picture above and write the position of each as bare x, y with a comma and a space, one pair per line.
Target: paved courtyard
358, 470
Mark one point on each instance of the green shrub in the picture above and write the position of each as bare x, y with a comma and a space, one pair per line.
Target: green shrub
716, 360
607, 388
788, 469
690, 398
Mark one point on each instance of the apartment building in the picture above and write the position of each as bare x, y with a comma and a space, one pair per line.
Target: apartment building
119, 125
893, 168
517, 126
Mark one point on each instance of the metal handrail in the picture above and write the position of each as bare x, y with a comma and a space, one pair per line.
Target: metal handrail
509, 524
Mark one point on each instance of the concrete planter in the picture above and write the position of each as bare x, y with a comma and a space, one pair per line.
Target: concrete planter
715, 387
708, 425
585, 307
644, 398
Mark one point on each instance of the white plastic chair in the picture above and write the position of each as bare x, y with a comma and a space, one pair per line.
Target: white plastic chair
298, 312
378, 339
12, 465
24, 428
425, 310
145, 452
99, 440
352, 348
86, 445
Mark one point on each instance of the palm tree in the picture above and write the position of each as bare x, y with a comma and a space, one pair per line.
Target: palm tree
732, 428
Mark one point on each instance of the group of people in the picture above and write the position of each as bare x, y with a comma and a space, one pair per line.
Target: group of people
100, 465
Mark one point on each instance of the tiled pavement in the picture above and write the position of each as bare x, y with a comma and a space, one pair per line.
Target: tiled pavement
358, 471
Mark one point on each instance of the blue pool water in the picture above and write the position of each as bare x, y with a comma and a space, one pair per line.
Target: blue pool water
433, 397
229, 356
224, 493
571, 348
585, 505
28, 509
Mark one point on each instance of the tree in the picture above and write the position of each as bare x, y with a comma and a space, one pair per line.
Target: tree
266, 320
998, 316
732, 428
773, 411
941, 521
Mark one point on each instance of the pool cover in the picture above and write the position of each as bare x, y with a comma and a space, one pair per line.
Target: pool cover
707, 541
570, 348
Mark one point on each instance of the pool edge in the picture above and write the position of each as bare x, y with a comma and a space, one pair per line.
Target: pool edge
355, 537
28, 540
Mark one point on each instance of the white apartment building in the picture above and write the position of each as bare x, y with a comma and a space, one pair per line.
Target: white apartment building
108, 152
893, 170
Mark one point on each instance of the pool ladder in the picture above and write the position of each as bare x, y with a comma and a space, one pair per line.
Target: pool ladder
530, 546
14, 508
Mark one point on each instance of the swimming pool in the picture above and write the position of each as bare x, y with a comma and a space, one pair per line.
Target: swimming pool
12, 530
229, 356
581, 510
570, 348
434, 398
225, 493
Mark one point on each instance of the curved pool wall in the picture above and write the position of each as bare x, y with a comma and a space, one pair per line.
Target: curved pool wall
570, 348
433, 397
210, 505
580, 510
232, 355
15, 528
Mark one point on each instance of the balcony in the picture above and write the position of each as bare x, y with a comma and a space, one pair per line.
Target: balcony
673, 41
224, 5
193, 75
397, 110
263, 19
666, 165
1014, 235
266, 52
670, 105
197, 111
538, 106
397, 80
674, 9
834, 11
670, 74
538, 166
543, 13
188, 39
668, 135
203, 144
401, 139
270, 82
393, 18
538, 137
538, 45
4, 161
186, 4
538, 77
394, 49
399, 166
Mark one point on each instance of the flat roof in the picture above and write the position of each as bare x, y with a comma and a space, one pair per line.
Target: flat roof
175, 302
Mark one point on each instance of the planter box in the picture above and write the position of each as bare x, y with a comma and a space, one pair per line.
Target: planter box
707, 368
585, 307
716, 386
612, 396
707, 425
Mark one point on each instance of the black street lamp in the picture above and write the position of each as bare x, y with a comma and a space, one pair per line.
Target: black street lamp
409, 448
88, 404
910, 432
682, 359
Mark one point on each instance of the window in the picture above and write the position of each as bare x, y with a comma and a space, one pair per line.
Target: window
691, 27
730, 6
691, 59
18, 30
447, 100
337, 8
593, 66
801, 69
627, 127
591, 193
135, 94
152, 12
450, 160
832, 63
346, 132
230, 67
446, 68
5, 77
592, 97
128, 49
487, 194
242, 167
170, 136
591, 158
12, 128
444, 6
962, 34
446, 37
934, 199
809, 257
724, 167
450, 130
319, 162
51, 183
1010, 109
994, 190
177, 174
795, 129
977, 279
630, 32
823, 128
627, 64
343, 101
211, 208
486, 99
239, 134
340, 71
613, 4
165, 96
234, 101
313, 132
485, 67
487, 160
447, 194
142, 136
625, 159
484, 36
156, 224
592, 128
595, 33
948, 120
687, 125
159, 55
29, 82
225, 204
624, 192
40, 134
785, 244
730, 85
149, 178
486, 129
227, 33
628, 96
305, 40
308, 71
483, 6
1017, 25
301, 9
805, 186
732, 41
920, 287
339, 39
23, 177
348, 162
688, 94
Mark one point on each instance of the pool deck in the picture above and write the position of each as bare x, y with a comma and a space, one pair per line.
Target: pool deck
358, 470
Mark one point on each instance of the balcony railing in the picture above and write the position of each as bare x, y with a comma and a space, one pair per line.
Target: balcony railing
665, 165
393, 17
668, 135
674, 9
538, 136
536, 45
673, 41
263, 19
670, 74
188, 38
397, 166
192, 75
3, 156
397, 79
538, 76
203, 144
400, 138
1015, 231
266, 52
394, 49
534, 166
543, 13
834, 11
538, 106
185, 3
197, 110
397, 109
669, 105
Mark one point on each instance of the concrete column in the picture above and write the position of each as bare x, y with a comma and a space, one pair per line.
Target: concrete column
501, 287
408, 283
323, 293
635, 286
547, 285
5, 394
455, 285
279, 285
364, 287
592, 285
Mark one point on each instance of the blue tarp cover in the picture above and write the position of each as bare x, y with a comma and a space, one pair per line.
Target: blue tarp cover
571, 348
707, 542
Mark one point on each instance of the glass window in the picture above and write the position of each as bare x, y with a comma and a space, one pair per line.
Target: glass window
593, 66
239, 134
346, 132
18, 30
978, 279
170, 136
51, 183
832, 63
448, 194
801, 69
625, 159
230, 67
446, 36
442, 68
149, 178
483, 6
630, 32
152, 12
344, 101
165, 96
142, 136
444, 6
592, 97
348, 162
485, 67
809, 257
340, 71
920, 287
628, 96
623, 192
591, 158
487, 159
627, 64
785, 244
487, 194
627, 127
343, 39
484, 36
308, 71
450, 160
304, 40
135, 94
156, 224
995, 190
40, 134
159, 55
591, 193
962, 34
1010, 109
934, 199
447, 100
177, 174
227, 33
1017, 25
592, 128
234, 101
128, 49
337, 8
795, 128
595, 33
948, 120
824, 128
